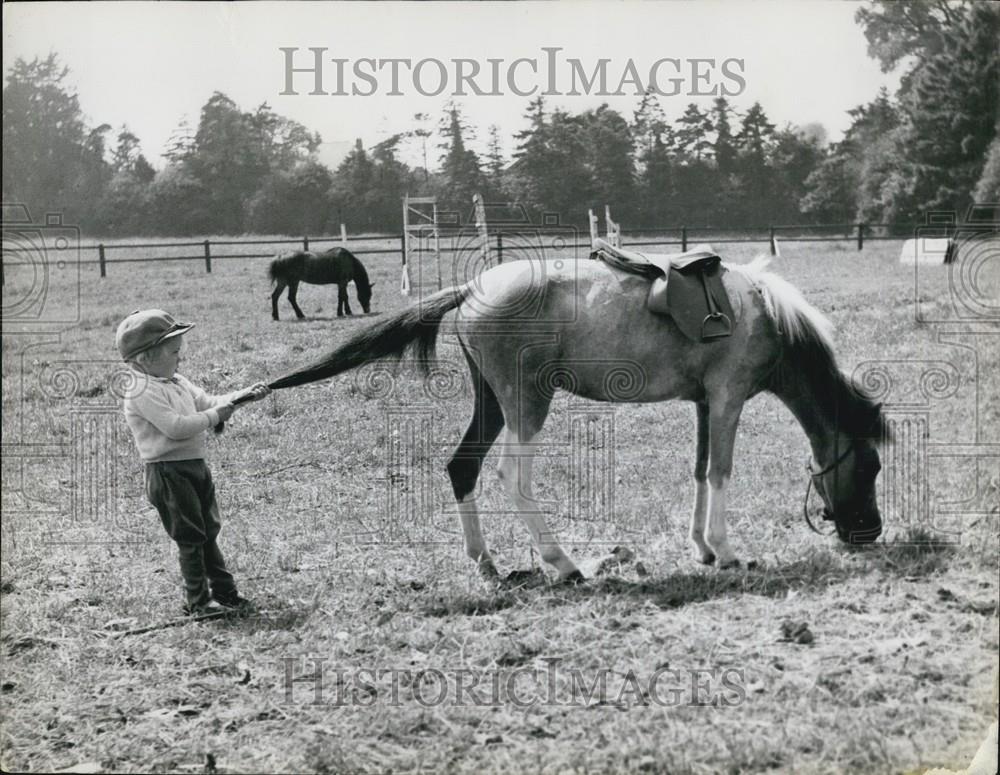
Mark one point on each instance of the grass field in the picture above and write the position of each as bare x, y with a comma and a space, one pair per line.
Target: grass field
338, 521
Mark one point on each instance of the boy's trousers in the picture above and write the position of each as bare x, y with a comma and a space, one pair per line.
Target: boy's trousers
184, 495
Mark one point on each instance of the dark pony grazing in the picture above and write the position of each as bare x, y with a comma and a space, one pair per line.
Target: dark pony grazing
337, 265
527, 328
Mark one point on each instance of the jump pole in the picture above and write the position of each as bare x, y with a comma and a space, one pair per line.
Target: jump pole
614, 230
437, 244
411, 207
404, 282
484, 237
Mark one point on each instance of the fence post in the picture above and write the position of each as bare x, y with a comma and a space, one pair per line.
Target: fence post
499, 247
684, 239
100, 258
861, 236
208, 258
305, 244
402, 246
774, 248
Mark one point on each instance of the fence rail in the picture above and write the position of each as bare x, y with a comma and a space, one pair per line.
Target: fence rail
671, 236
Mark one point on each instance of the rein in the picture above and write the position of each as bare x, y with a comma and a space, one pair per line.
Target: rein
812, 475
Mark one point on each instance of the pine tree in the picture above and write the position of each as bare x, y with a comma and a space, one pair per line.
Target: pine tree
693, 133
126, 152
180, 144
495, 164
648, 128
654, 183
608, 144
724, 147
460, 169
533, 139
756, 134
534, 160
797, 152
391, 181
421, 132
754, 143
567, 187
352, 191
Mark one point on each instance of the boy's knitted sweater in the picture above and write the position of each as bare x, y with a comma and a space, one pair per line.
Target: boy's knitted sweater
169, 417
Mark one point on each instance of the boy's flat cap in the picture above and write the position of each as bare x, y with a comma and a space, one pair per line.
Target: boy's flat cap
144, 329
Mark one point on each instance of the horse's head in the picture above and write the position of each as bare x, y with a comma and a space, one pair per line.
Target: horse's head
847, 487
365, 295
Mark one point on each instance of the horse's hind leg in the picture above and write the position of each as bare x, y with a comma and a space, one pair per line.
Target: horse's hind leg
275, 296
515, 473
524, 423
699, 515
467, 463
293, 290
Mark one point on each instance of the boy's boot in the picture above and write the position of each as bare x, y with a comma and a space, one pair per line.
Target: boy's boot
221, 580
192, 561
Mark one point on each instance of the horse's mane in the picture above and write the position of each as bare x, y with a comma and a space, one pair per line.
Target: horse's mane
360, 273
807, 356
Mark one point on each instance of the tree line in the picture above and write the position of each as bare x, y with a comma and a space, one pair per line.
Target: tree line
931, 146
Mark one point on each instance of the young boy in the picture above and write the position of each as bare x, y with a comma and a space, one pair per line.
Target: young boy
168, 417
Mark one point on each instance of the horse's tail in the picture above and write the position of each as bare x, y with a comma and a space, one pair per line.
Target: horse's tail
413, 329
283, 266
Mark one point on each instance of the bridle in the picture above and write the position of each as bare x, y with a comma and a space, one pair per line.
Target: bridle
812, 475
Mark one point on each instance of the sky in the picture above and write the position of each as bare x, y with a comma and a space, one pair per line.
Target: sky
150, 65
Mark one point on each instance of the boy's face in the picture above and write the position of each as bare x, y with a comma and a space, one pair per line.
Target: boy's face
166, 358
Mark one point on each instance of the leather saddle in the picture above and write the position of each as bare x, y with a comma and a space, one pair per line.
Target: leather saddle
685, 286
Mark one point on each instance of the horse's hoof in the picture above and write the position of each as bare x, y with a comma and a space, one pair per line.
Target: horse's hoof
571, 579
706, 559
523, 579
489, 572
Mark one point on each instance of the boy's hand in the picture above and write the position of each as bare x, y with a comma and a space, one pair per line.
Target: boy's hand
253, 393
225, 412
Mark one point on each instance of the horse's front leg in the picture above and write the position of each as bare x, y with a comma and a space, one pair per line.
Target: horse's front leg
343, 302
515, 469
724, 416
699, 515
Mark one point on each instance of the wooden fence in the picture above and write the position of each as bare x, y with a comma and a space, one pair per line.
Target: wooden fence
666, 236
